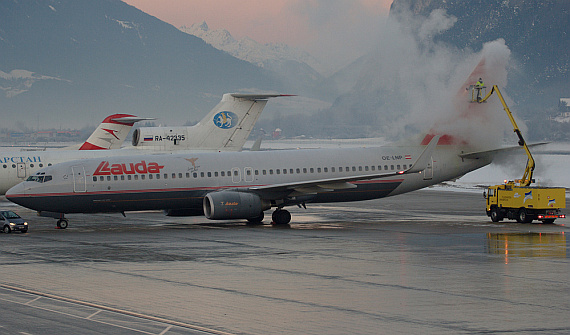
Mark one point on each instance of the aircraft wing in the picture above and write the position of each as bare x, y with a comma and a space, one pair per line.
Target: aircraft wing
494, 152
330, 184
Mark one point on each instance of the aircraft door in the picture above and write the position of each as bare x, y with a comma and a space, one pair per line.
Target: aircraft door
21, 170
428, 172
248, 174
79, 181
236, 175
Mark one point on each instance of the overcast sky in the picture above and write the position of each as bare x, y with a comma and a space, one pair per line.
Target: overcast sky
334, 31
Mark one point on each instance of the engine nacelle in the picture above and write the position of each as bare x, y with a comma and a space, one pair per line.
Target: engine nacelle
163, 137
227, 205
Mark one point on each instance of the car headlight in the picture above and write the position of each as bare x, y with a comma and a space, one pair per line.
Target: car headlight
12, 224
25, 223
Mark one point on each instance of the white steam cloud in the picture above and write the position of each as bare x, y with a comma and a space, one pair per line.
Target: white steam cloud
424, 82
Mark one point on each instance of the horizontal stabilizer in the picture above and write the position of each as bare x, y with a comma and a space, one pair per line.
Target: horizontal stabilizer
491, 153
259, 96
132, 119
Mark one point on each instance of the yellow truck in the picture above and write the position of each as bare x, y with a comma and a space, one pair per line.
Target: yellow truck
525, 204
518, 200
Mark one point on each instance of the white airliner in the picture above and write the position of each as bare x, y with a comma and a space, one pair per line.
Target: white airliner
225, 128
243, 185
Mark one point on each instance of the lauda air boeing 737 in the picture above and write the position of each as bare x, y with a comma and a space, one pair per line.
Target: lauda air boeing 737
225, 128
243, 185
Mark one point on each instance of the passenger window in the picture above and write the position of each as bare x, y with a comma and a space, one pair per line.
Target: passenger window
136, 177
366, 168
398, 166
180, 175
223, 173
94, 178
209, 174
236, 172
149, 176
47, 178
340, 169
284, 171
188, 174
202, 174
195, 175
385, 167
278, 171
174, 176
108, 178
360, 168
270, 171
318, 170
165, 176
123, 177
298, 170
312, 170
115, 178
216, 174
291, 171
391, 167
129, 177
304, 170
143, 176
158, 176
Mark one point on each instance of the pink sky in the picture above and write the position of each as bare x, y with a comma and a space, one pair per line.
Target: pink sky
318, 26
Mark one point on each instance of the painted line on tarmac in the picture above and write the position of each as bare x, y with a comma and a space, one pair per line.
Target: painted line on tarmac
118, 311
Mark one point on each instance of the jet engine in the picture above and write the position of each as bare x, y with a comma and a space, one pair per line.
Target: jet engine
227, 205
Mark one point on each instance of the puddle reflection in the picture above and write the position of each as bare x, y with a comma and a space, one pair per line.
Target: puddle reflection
527, 245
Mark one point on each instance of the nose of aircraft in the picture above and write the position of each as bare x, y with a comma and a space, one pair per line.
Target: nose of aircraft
15, 192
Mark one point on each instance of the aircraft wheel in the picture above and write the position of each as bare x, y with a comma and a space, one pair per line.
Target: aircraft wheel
257, 219
495, 216
6, 229
281, 217
62, 223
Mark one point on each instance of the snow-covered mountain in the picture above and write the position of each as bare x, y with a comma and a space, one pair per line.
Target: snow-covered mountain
264, 55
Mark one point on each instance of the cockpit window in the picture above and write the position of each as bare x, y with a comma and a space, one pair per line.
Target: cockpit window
39, 178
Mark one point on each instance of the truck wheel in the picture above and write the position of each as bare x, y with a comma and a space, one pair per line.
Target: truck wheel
495, 216
523, 216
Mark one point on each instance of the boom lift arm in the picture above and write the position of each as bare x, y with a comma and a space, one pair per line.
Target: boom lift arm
527, 177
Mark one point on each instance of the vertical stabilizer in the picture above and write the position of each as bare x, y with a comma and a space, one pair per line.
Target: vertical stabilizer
111, 133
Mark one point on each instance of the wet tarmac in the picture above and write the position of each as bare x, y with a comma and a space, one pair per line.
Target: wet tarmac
426, 262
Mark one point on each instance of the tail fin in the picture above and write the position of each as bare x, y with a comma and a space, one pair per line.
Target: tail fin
226, 127
469, 123
111, 133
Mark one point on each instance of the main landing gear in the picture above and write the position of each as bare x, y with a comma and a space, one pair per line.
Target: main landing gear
62, 223
281, 217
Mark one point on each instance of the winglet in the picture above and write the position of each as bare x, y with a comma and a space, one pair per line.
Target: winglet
425, 158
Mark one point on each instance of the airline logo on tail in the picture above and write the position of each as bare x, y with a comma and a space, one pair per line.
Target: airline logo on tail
225, 120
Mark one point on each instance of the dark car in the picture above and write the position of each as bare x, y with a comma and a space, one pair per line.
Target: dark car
12, 222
